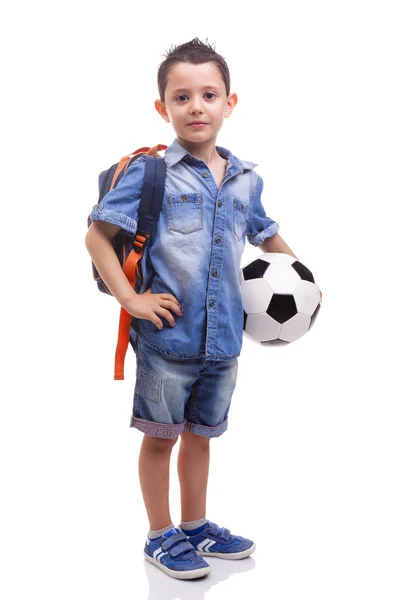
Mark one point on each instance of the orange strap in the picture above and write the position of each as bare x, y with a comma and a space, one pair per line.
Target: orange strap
130, 269
126, 160
153, 151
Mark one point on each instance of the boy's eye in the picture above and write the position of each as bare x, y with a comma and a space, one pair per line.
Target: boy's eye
206, 94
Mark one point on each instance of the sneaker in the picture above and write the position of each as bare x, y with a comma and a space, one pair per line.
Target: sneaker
175, 556
220, 543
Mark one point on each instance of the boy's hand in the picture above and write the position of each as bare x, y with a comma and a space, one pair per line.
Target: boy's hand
149, 305
320, 295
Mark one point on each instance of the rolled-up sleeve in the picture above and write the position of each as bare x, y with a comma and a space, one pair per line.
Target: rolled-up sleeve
120, 205
260, 226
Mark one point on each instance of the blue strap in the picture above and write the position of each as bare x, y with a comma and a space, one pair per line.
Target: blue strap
176, 545
152, 194
212, 530
180, 549
216, 531
173, 539
225, 534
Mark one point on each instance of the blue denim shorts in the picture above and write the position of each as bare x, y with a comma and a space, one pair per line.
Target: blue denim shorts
173, 395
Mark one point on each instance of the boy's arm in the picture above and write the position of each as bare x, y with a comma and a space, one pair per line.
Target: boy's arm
276, 244
263, 227
98, 243
144, 306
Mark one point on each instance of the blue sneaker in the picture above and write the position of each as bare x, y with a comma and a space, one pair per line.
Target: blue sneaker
211, 540
175, 556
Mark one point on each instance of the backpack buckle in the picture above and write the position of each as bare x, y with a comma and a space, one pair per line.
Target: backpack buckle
139, 241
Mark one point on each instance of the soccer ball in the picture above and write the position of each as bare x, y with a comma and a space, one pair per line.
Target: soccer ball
280, 299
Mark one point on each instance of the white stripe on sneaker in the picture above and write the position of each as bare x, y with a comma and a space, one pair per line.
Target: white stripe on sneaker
159, 557
157, 552
207, 548
202, 546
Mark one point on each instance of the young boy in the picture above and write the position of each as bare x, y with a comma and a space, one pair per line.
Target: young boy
187, 325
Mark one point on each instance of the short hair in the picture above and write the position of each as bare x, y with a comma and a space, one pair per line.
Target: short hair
194, 52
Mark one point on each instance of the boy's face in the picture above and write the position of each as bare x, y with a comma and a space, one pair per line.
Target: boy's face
196, 93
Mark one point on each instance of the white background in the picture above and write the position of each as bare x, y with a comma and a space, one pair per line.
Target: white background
309, 466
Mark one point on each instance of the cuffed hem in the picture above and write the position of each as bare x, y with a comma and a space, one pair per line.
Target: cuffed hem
103, 214
258, 239
206, 431
153, 429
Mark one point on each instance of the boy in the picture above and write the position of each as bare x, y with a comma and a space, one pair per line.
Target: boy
187, 325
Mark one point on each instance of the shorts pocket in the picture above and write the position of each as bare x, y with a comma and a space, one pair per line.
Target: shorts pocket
185, 212
149, 386
240, 215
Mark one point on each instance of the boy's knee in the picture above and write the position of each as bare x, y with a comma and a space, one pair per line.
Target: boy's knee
193, 438
159, 444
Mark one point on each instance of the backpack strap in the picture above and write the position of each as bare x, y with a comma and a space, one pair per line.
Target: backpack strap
149, 211
126, 161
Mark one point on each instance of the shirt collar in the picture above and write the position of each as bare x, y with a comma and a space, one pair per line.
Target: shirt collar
175, 153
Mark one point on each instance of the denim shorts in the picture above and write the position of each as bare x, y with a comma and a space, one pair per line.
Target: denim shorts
173, 395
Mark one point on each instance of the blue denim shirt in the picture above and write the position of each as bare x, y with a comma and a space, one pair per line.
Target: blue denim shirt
195, 250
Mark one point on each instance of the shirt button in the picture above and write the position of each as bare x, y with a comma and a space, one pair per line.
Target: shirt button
214, 273
219, 204
211, 303
218, 239
205, 174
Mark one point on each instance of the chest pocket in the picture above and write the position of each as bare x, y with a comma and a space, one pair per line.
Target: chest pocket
240, 218
185, 212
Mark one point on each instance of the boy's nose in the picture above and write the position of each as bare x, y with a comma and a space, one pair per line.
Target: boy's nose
196, 107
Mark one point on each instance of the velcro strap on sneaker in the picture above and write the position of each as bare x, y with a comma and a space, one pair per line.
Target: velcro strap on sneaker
225, 534
213, 530
171, 541
180, 548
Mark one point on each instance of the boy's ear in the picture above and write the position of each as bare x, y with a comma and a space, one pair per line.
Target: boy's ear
230, 104
160, 108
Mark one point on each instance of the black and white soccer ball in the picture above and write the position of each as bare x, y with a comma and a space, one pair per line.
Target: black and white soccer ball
280, 299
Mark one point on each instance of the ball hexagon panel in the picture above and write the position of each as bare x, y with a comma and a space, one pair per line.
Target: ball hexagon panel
277, 258
262, 328
277, 342
295, 328
280, 284
306, 296
256, 296
241, 278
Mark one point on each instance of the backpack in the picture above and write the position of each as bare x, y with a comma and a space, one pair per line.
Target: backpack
128, 249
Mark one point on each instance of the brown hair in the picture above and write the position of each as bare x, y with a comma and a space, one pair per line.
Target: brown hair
194, 52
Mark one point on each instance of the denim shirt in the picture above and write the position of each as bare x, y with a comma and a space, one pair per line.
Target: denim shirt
195, 249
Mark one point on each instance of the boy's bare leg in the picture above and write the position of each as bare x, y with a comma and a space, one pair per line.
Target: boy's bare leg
154, 461
193, 467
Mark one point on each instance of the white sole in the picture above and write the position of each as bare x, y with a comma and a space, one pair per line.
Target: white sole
179, 574
232, 556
